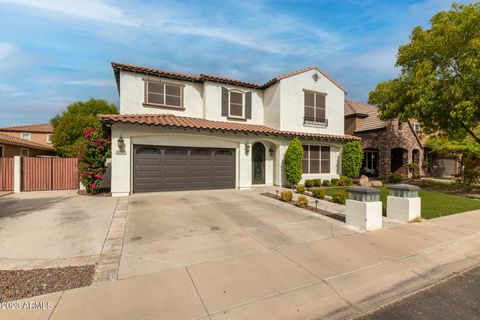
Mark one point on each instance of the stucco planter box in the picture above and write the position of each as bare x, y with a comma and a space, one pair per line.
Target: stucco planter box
364, 208
365, 216
404, 209
403, 203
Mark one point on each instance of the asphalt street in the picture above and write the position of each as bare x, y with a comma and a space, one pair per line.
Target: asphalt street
456, 298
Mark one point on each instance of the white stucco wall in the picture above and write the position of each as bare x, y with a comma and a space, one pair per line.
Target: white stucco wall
122, 165
292, 103
132, 96
271, 103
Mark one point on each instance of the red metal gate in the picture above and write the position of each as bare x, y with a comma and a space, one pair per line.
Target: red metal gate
49, 174
6, 174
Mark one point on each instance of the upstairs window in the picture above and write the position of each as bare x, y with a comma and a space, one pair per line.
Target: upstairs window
26, 136
315, 105
416, 127
236, 104
164, 94
24, 152
49, 138
316, 159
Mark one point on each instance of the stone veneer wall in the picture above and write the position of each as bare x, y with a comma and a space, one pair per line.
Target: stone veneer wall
386, 139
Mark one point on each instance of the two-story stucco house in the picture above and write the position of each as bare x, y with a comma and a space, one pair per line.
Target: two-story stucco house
187, 132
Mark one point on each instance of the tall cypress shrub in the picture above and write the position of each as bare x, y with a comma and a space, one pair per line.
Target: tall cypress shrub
293, 161
352, 157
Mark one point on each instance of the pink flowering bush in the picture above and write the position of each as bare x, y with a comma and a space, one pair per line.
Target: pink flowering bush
96, 150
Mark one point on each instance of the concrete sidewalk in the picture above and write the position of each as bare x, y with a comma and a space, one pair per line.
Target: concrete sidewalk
338, 278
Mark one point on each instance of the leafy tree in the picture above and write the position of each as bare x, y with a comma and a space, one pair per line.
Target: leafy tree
352, 157
293, 161
69, 127
439, 82
466, 151
97, 148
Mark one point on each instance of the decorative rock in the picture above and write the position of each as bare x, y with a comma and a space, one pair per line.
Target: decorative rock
363, 181
376, 183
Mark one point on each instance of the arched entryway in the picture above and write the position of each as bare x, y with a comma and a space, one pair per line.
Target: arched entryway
399, 157
258, 163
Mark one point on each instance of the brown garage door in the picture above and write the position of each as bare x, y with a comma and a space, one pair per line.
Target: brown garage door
158, 168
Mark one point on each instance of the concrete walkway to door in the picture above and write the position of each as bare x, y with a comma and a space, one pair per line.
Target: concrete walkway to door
239, 255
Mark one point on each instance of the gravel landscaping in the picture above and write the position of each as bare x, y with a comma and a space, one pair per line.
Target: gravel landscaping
19, 284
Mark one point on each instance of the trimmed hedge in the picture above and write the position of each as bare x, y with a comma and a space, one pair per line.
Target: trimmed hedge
309, 183
317, 182
318, 193
339, 197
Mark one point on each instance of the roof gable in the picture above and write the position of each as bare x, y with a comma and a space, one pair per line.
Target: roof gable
34, 128
117, 67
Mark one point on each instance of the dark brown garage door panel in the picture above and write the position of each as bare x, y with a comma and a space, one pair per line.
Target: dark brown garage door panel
181, 168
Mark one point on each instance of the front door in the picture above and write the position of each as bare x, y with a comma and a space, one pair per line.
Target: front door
258, 163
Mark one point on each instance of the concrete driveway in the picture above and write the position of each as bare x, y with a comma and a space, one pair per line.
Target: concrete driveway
239, 255
53, 225
171, 230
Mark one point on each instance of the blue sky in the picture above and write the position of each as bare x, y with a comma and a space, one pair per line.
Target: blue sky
53, 52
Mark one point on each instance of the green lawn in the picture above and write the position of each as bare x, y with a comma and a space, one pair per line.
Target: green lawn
434, 204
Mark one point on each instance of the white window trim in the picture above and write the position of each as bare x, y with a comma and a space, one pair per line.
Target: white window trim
29, 136
49, 138
148, 103
320, 159
310, 123
21, 153
243, 104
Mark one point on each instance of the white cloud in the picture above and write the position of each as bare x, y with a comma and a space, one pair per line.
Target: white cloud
6, 49
8, 90
86, 9
90, 82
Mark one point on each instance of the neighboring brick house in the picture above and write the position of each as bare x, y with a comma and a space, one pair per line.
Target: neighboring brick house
31, 140
389, 146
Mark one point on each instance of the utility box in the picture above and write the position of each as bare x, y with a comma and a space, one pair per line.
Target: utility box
404, 203
364, 208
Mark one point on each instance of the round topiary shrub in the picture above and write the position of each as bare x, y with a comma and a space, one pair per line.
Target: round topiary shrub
318, 193
339, 197
395, 178
309, 183
301, 202
300, 188
345, 181
286, 196
293, 161
317, 182
352, 157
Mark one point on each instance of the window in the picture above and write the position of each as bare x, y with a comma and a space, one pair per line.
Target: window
370, 163
315, 105
416, 127
24, 152
1, 151
175, 152
236, 103
316, 159
26, 136
223, 153
49, 138
163, 94
200, 152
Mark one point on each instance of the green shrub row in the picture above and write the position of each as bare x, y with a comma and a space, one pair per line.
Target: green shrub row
339, 197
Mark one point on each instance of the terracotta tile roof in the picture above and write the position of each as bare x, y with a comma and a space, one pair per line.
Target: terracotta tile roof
35, 128
6, 139
208, 77
169, 120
